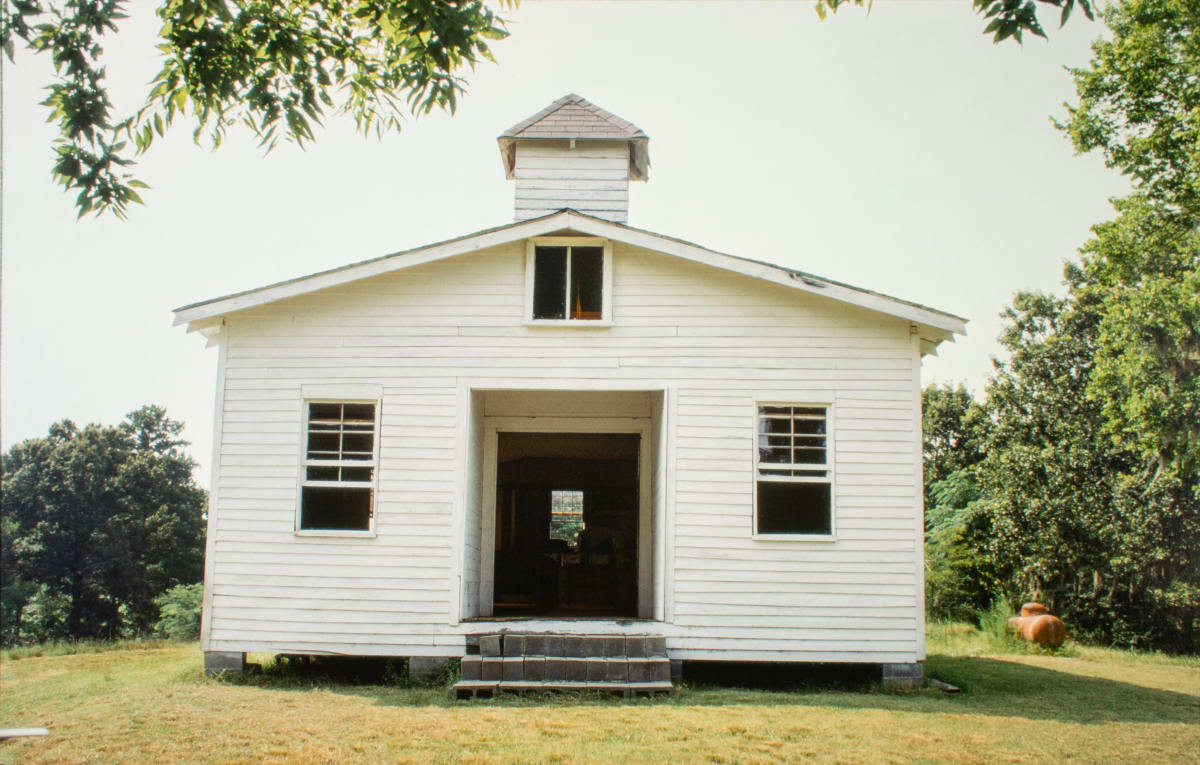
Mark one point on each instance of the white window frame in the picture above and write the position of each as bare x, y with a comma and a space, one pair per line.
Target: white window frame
302, 475
827, 467
531, 245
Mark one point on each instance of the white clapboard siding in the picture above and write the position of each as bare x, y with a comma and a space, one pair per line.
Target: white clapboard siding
427, 336
592, 177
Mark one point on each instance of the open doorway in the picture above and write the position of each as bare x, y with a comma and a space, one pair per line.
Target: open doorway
567, 519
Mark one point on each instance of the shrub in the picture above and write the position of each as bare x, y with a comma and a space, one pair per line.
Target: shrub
179, 610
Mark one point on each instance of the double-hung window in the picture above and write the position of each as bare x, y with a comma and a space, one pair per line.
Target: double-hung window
337, 490
568, 280
793, 471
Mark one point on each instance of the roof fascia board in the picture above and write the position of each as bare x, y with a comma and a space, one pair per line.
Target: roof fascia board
401, 260
879, 303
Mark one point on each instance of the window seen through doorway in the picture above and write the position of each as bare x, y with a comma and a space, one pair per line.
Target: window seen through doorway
566, 516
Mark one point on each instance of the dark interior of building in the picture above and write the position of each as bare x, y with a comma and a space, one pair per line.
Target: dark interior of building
566, 525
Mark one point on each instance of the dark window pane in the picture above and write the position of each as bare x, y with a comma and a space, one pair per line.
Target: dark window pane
587, 282
550, 283
360, 413
775, 410
357, 473
322, 446
322, 474
810, 410
775, 425
778, 454
809, 426
329, 508
794, 508
363, 443
810, 457
324, 411
358, 441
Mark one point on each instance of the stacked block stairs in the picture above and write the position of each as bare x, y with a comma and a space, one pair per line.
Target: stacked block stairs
629, 665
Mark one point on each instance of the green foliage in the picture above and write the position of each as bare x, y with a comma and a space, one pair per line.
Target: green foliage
1139, 103
993, 622
952, 428
276, 68
1006, 18
1143, 272
1088, 497
1077, 521
179, 611
959, 580
98, 521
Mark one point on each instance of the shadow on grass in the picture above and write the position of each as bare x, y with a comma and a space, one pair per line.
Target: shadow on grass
989, 686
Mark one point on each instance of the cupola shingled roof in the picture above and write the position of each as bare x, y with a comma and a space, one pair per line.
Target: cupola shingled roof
574, 117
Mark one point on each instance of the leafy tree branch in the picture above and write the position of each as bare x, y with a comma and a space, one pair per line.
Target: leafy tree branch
275, 68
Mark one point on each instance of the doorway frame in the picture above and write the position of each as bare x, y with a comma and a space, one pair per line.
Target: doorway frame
494, 426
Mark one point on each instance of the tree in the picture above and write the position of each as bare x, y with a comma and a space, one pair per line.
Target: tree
104, 519
952, 425
275, 68
1139, 99
1076, 520
958, 582
1143, 270
1139, 105
1006, 18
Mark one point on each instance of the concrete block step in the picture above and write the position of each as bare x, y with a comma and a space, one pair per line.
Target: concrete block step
572, 646
618, 669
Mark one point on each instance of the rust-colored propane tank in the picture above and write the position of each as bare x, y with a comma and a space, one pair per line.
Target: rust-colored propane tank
1037, 625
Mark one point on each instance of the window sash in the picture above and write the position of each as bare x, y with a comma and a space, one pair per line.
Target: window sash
788, 441
341, 459
557, 304
781, 432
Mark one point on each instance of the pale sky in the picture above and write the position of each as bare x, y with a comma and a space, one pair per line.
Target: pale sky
901, 152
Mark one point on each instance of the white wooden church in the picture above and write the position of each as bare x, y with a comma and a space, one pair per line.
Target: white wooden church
567, 426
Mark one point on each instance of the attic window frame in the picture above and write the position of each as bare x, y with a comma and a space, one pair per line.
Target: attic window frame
778, 472
338, 462
531, 246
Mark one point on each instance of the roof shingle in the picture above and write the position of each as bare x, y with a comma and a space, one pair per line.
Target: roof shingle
573, 116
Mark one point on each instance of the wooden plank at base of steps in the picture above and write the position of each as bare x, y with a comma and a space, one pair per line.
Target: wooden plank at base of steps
467, 689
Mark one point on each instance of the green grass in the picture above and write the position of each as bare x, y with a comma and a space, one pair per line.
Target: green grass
150, 703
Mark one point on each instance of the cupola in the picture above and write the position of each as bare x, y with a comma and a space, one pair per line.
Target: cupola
574, 154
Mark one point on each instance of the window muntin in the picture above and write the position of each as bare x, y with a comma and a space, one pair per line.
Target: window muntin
338, 485
568, 281
793, 473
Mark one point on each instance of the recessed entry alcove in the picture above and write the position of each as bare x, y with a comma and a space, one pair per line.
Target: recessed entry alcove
567, 505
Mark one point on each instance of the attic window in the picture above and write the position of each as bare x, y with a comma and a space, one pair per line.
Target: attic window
568, 280
338, 485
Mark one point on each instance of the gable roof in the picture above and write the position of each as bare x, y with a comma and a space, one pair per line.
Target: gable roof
574, 117
932, 325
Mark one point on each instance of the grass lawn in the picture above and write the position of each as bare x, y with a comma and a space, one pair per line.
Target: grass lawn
151, 704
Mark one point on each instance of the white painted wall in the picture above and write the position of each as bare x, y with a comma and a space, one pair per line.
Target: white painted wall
714, 341
593, 178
